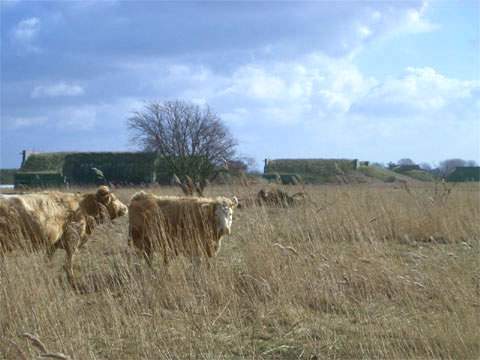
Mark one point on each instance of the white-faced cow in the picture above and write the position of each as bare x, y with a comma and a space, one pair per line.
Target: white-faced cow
191, 226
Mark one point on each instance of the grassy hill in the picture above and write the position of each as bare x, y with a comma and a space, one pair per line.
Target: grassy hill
378, 173
420, 175
387, 175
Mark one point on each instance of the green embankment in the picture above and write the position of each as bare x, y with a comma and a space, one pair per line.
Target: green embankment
390, 176
419, 175
378, 173
312, 171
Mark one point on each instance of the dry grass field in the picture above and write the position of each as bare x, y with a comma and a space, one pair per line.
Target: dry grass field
377, 272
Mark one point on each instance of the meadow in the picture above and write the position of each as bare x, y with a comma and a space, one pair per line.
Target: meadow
374, 271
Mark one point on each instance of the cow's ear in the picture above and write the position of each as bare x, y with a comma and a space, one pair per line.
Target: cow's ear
103, 195
235, 202
92, 207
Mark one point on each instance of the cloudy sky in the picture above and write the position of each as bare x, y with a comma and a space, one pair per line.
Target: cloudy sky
377, 81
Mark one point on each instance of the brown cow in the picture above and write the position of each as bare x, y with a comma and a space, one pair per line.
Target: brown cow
174, 225
53, 220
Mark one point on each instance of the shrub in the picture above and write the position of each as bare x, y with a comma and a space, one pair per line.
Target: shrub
390, 179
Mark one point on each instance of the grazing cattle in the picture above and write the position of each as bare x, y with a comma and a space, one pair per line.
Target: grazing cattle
53, 220
191, 226
273, 198
278, 197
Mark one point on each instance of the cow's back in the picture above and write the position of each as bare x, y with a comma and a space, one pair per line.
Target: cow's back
33, 220
172, 224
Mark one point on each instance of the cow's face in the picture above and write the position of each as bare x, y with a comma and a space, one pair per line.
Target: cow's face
224, 215
114, 206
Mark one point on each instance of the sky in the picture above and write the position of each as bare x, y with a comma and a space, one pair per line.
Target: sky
373, 80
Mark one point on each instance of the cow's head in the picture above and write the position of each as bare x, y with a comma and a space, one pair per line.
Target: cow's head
114, 206
224, 214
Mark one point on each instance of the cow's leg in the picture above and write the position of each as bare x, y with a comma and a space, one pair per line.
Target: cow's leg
147, 251
89, 226
71, 242
52, 245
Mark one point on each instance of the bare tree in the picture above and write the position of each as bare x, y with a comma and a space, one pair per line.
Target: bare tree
192, 140
250, 163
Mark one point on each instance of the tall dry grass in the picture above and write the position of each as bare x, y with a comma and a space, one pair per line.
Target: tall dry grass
376, 272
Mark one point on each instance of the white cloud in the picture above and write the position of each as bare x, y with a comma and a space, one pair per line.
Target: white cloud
313, 90
24, 122
318, 89
76, 118
25, 33
412, 20
419, 91
364, 31
416, 22
59, 89
309, 88
306, 90
256, 82
385, 21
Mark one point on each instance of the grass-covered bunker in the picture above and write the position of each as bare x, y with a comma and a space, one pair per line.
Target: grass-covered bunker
56, 169
465, 173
